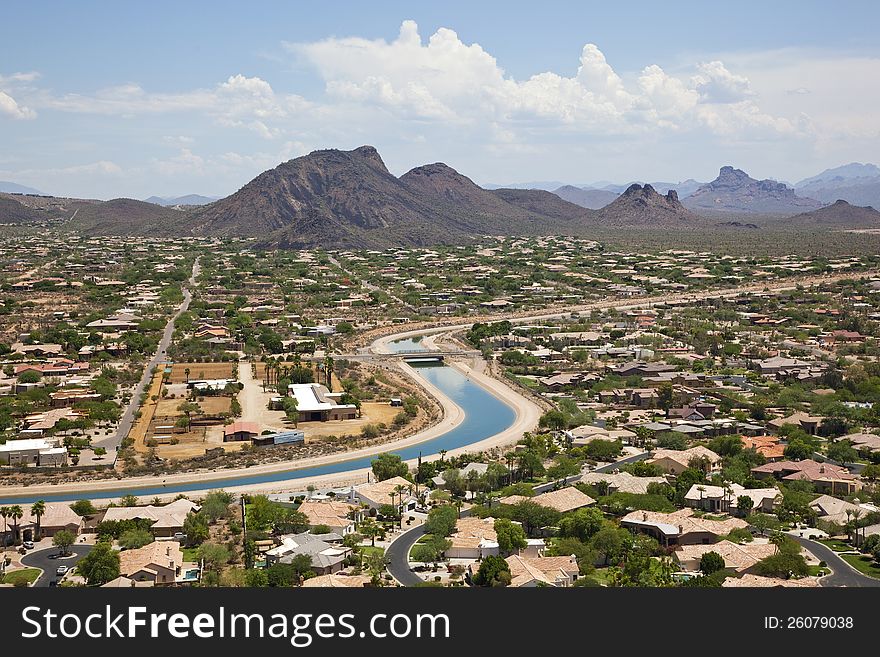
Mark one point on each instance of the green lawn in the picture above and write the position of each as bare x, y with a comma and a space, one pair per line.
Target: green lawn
368, 550
836, 544
863, 563
28, 575
816, 571
190, 554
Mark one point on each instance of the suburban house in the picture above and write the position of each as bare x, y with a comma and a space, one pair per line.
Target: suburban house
562, 500
837, 511
36, 451
123, 582
378, 493
338, 516
55, 518
680, 527
326, 557
542, 571
160, 562
757, 581
825, 477
337, 581
805, 421
741, 558
315, 402
474, 538
767, 446
864, 442
478, 468
674, 462
726, 500
238, 431
622, 482
167, 520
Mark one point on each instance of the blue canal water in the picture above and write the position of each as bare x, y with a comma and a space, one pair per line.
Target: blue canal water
485, 415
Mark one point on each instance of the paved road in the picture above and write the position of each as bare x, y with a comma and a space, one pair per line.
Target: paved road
111, 443
611, 467
843, 574
47, 560
397, 555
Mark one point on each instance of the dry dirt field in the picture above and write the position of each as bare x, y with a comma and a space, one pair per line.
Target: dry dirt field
203, 371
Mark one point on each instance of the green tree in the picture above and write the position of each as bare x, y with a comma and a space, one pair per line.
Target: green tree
63, 540
511, 537
128, 500
135, 538
195, 526
385, 466
214, 555
493, 571
441, 520
711, 562
100, 565
581, 524
612, 543
430, 550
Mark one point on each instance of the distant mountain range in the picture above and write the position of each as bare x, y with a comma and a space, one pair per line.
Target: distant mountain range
349, 199
856, 183
735, 191
189, 199
14, 188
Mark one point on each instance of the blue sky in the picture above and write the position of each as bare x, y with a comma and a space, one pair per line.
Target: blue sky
109, 99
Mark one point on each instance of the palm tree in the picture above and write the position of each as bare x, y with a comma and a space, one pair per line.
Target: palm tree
38, 510
186, 371
16, 513
399, 490
328, 367
442, 456
4, 513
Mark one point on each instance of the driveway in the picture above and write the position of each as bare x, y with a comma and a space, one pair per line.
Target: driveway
48, 561
844, 574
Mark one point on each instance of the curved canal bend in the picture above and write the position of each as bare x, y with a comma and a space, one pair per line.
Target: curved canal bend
484, 416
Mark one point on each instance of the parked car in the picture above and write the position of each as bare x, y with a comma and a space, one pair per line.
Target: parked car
29, 545
61, 570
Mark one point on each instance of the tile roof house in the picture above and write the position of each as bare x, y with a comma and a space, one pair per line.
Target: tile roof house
562, 500
326, 557
337, 581
864, 442
542, 571
673, 461
55, 518
622, 482
754, 581
168, 519
338, 516
807, 422
741, 558
474, 538
160, 562
716, 498
380, 492
680, 527
825, 477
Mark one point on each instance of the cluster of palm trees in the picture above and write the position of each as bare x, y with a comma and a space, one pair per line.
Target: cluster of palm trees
277, 369
16, 513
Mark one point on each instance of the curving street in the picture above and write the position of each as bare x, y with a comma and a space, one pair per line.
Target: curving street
843, 574
48, 561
